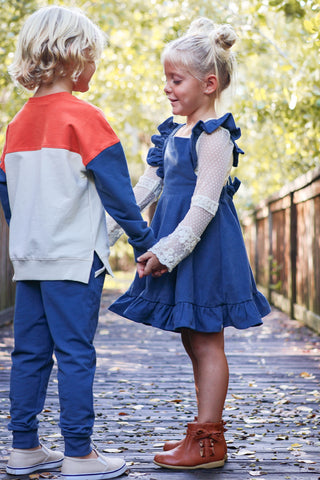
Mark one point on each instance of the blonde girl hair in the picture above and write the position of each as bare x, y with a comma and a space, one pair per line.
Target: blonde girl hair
55, 42
205, 49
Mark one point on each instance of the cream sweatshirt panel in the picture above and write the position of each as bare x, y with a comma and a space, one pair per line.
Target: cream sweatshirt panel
58, 213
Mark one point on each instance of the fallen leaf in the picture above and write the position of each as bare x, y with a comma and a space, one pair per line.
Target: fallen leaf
237, 397
282, 437
304, 409
244, 451
112, 450
307, 375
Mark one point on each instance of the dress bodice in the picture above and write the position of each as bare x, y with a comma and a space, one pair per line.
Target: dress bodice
179, 176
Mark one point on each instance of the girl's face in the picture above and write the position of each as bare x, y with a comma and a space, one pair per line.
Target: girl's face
82, 83
184, 92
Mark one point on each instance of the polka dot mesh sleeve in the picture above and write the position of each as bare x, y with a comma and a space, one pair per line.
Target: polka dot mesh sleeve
146, 191
214, 165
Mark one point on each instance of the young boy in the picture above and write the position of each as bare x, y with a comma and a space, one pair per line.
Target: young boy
61, 168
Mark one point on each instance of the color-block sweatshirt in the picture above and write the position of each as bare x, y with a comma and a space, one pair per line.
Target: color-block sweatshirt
61, 168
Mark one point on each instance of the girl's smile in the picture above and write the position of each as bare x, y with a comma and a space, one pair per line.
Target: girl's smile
188, 96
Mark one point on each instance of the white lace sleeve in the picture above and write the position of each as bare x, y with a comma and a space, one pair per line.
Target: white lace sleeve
214, 165
146, 191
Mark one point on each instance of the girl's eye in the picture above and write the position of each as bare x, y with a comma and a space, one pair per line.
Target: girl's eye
176, 82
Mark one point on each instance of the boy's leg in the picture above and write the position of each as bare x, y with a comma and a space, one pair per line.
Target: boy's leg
72, 310
31, 364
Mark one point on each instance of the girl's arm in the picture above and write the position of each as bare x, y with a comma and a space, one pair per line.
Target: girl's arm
214, 165
146, 191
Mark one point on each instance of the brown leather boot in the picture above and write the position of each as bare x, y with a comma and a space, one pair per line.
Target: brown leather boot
203, 447
171, 444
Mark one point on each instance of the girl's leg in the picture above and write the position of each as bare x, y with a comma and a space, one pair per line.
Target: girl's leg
185, 337
31, 364
169, 445
209, 450
212, 374
72, 309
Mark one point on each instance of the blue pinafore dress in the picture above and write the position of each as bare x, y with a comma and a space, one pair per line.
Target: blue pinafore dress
213, 287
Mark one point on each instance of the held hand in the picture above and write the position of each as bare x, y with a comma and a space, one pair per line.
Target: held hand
149, 263
140, 268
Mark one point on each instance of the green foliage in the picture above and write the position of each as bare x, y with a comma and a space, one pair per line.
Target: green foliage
11, 17
277, 103
280, 95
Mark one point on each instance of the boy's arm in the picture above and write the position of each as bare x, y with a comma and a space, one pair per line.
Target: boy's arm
113, 184
4, 198
146, 192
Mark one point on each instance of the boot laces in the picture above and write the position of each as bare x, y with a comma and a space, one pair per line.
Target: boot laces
212, 437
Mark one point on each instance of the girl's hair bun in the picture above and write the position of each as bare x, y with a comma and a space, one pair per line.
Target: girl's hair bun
222, 35
225, 36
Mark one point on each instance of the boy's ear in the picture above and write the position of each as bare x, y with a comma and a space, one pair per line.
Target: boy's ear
211, 84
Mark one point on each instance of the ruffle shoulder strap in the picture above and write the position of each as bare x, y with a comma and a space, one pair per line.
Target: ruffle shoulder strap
155, 154
209, 126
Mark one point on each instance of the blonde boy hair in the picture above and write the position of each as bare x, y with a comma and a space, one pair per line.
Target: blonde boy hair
55, 42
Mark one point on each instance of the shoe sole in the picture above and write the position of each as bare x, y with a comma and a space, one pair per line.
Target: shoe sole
216, 464
40, 466
95, 476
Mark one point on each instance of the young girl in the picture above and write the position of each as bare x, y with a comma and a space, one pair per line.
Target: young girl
61, 168
209, 284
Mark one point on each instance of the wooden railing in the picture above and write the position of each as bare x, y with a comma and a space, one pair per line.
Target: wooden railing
7, 287
282, 236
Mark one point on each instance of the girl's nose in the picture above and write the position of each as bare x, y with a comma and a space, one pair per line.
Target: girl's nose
166, 88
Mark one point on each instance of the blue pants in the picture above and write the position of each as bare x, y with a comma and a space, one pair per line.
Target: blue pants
57, 317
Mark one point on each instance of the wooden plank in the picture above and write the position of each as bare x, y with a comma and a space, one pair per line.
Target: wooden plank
308, 192
144, 394
281, 204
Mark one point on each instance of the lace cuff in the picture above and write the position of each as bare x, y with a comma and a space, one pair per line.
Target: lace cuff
202, 201
175, 247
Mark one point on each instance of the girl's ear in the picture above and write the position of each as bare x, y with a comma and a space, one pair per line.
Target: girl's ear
211, 84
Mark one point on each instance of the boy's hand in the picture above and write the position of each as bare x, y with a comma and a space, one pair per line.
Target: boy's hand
149, 263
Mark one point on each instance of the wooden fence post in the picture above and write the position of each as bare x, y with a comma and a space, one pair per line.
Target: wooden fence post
270, 253
293, 255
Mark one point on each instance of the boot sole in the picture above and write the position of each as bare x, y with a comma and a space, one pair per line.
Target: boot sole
217, 464
34, 468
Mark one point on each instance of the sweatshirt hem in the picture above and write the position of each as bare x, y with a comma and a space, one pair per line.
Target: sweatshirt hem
76, 270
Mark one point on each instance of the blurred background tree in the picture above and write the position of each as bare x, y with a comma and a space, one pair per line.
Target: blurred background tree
276, 104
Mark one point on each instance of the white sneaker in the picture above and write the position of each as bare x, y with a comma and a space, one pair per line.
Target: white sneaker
22, 462
100, 468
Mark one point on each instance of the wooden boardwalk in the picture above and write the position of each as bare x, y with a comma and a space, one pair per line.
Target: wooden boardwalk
144, 395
